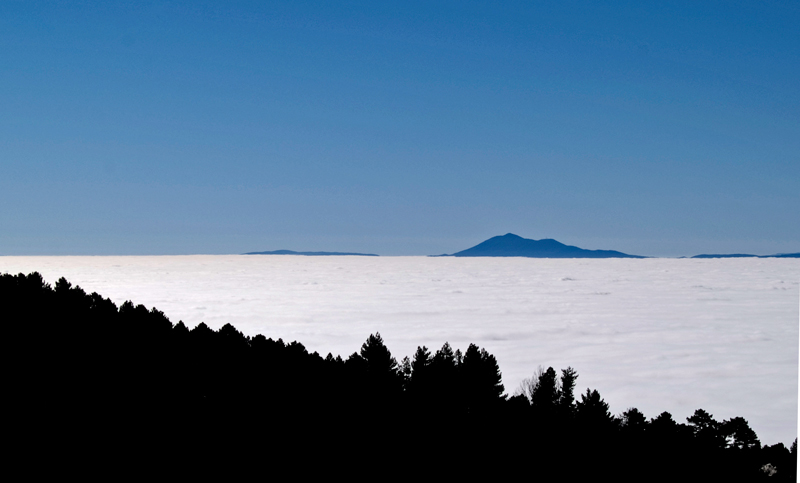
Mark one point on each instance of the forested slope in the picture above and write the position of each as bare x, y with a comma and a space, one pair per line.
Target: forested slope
92, 385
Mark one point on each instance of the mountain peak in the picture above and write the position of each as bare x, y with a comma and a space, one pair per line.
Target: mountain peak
511, 245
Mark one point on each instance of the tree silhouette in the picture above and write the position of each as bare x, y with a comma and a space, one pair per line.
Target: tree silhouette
566, 400
738, 434
482, 385
633, 423
707, 430
384, 379
420, 370
663, 426
546, 393
528, 385
444, 384
592, 411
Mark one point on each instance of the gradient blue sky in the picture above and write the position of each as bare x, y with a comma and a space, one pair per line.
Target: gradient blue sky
403, 128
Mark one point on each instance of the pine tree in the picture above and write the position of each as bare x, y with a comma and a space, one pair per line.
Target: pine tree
566, 399
383, 376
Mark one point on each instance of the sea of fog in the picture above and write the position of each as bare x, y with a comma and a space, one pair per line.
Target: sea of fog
657, 334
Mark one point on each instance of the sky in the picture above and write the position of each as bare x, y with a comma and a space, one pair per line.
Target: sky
402, 128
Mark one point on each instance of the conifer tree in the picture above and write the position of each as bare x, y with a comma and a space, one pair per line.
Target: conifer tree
566, 399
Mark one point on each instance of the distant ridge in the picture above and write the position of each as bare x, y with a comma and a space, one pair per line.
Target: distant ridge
743, 255
312, 254
732, 255
510, 245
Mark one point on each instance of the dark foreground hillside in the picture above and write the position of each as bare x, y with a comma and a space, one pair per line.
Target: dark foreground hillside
97, 390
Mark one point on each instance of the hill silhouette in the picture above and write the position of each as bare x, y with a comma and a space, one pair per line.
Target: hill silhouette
511, 245
745, 255
312, 254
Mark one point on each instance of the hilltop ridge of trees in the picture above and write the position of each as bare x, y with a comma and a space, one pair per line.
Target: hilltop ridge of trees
92, 385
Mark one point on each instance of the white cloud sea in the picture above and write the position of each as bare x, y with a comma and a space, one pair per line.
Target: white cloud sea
657, 334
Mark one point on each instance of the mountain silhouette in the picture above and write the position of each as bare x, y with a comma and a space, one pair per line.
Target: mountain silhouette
731, 255
311, 254
511, 245
744, 255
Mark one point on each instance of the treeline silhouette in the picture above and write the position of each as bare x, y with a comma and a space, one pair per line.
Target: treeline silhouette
92, 385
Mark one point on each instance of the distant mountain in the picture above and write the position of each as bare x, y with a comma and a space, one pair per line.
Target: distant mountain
510, 245
741, 255
312, 254
733, 255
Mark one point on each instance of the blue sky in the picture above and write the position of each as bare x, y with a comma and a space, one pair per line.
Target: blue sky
404, 128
